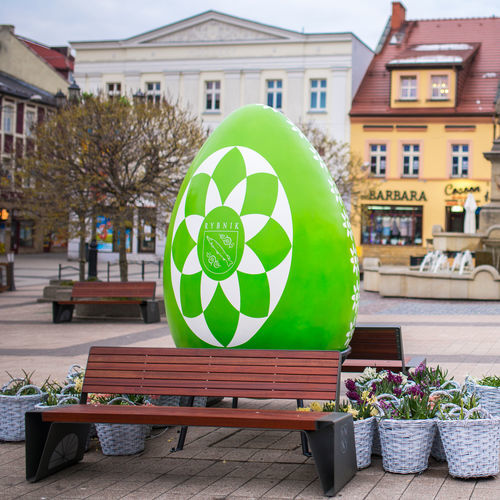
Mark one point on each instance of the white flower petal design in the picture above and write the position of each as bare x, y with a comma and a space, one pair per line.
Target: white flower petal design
193, 223
277, 278
250, 263
208, 165
231, 289
255, 163
192, 264
213, 197
181, 212
176, 281
199, 326
247, 327
208, 287
236, 197
253, 224
281, 213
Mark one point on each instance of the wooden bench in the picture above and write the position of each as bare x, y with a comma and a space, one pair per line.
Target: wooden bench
141, 293
55, 438
380, 347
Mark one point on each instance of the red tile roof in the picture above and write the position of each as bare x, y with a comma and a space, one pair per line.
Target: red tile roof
478, 80
59, 61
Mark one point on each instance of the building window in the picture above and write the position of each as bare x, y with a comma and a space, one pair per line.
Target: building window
378, 159
459, 160
114, 90
26, 233
6, 172
212, 95
30, 122
408, 88
147, 230
411, 159
274, 93
318, 95
439, 87
8, 119
153, 92
391, 225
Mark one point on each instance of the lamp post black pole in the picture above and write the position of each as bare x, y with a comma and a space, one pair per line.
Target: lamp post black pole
92, 259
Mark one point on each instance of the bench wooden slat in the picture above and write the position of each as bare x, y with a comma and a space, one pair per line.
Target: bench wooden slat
176, 415
213, 376
179, 352
95, 369
86, 290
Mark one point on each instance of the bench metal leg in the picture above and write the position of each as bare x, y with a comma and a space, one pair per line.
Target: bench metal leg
303, 435
150, 311
51, 447
184, 429
62, 313
334, 451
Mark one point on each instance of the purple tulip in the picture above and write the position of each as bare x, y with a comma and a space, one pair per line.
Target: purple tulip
350, 384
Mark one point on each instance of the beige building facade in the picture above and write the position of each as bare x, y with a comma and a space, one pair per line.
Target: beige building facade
216, 63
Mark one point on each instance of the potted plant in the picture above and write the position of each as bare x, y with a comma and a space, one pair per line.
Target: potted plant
487, 389
407, 428
363, 415
118, 439
17, 396
382, 383
471, 439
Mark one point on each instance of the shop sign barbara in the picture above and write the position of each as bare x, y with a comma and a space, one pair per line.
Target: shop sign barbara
396, 195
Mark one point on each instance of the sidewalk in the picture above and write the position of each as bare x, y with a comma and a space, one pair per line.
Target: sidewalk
226, 463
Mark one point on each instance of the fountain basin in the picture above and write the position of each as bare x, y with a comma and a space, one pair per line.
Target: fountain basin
483, 283
456, 242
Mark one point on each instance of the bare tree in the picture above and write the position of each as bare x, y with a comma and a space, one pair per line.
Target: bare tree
111, 156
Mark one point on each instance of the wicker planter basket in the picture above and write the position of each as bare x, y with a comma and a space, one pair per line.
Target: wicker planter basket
406, 444
121, 439
12, 410
376, 446
363, 437
472, 446
489, 397
437, 450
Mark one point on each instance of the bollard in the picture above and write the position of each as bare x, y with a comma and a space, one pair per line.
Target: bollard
92, 259
11, 287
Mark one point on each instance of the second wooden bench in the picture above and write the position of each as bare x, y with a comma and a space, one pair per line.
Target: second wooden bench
379, 347
141, 293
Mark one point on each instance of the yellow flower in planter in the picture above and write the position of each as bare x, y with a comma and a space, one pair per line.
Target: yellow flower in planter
352, 411
315, 406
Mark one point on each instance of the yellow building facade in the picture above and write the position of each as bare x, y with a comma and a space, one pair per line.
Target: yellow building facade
421, 120
434, 196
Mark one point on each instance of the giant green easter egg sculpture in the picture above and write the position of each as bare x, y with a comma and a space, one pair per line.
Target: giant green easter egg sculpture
260, 252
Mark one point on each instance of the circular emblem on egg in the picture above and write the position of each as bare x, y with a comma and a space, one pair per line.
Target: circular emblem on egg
231, 246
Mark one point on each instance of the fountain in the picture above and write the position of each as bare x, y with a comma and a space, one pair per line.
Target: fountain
434, 278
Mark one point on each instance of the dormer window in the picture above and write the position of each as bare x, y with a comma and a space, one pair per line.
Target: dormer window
408, 88
440, 88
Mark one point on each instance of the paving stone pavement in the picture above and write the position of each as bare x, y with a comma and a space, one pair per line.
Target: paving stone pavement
461, 336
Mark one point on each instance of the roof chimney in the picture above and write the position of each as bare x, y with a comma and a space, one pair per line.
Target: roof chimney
398, 15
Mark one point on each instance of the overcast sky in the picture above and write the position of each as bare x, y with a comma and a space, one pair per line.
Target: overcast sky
56, 22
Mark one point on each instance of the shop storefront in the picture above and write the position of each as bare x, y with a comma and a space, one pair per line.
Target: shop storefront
396, 221
141, 235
